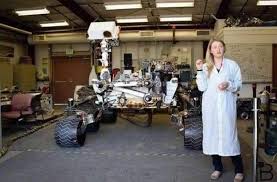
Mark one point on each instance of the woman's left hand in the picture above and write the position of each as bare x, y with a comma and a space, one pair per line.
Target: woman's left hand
223, 86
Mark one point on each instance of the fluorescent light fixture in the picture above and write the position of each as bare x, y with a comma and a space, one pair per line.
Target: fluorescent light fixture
53, 24
169, 18
27, 12
123, 5
132, 19
266, 3
174, 3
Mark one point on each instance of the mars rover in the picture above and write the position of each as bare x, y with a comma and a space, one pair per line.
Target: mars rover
126, 91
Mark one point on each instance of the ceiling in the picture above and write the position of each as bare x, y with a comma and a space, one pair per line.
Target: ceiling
79, 13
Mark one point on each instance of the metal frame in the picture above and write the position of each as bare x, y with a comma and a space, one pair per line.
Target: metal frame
0, 122
66, 17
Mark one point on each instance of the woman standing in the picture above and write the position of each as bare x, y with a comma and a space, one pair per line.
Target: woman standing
220, 79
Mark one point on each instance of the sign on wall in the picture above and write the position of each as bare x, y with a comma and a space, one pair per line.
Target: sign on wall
6, 51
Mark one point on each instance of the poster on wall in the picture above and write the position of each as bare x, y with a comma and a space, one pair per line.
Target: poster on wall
181, 54
43, 71
255, 61
6, 51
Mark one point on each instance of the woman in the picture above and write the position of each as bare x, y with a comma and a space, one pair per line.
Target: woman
220, 79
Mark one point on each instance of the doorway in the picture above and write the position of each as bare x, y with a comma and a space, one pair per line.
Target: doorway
67, 73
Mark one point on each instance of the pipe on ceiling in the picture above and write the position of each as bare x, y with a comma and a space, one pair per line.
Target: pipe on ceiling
124, 36
15, 29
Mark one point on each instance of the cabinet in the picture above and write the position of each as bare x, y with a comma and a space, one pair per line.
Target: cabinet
25, 76
6, 75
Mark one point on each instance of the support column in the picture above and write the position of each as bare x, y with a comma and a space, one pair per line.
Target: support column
0, 123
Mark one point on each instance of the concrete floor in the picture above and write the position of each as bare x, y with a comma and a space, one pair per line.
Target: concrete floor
116, 153
11, 130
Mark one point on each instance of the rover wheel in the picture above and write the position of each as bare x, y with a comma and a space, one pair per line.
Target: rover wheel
70, 132
193, 133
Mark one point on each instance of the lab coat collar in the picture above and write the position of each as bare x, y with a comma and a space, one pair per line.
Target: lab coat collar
222, 66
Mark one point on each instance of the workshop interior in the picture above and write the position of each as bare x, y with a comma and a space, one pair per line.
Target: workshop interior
105, 90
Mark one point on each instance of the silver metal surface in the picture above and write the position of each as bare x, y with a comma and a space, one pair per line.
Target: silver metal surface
255, 140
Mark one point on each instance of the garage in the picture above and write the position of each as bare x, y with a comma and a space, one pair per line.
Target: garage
139, 90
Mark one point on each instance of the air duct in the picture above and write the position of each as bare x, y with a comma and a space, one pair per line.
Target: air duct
124, 36
15, 29
58, 38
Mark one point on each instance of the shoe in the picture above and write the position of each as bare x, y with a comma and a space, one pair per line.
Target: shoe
215, 175
239, 177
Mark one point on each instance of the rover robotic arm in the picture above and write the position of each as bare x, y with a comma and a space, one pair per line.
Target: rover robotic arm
107, 33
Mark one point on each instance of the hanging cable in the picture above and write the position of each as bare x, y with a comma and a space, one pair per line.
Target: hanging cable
242, 8
206, 2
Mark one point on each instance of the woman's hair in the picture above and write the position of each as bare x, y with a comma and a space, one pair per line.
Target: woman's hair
209, 57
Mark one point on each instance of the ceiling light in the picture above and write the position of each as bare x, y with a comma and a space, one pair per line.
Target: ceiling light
174, 3
267, 2
54, 24
169, 18
37, 11
123, 5
133, 19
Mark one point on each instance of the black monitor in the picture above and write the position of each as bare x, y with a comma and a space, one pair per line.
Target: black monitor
185, 75
128, 59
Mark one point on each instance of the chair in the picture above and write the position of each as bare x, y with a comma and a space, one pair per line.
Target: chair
22, 106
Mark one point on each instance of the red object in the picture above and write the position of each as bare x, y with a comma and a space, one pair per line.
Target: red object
23, 105
45, 90
115, 71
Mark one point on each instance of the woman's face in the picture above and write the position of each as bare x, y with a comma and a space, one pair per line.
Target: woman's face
217, 49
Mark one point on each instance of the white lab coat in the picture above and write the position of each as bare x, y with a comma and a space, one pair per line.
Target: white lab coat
219, 109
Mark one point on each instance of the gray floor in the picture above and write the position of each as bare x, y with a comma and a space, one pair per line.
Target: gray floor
118, 152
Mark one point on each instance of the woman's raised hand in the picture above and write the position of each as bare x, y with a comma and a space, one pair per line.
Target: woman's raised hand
199, 64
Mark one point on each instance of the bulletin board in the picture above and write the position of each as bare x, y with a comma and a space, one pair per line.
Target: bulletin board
255, 61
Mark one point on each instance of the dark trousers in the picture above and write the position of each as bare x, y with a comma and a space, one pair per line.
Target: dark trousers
237, 161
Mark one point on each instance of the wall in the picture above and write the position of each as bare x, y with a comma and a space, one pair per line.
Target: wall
17, 41
246, 90
79, 48
42, 53
251, 47
185, 51
155, 49
42, 62
255, 60
19, 50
